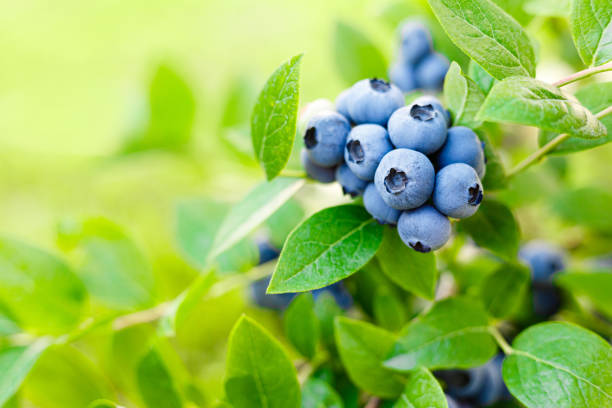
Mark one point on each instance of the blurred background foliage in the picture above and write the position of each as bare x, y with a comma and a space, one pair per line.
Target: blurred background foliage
124, 137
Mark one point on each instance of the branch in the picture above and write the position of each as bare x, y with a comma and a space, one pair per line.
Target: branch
583, 74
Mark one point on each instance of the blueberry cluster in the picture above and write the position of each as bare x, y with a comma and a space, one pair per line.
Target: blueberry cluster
417, 65
412, 169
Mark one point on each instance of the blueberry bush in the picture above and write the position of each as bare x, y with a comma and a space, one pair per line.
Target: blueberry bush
405, 250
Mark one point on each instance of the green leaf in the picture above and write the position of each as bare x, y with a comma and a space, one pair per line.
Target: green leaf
488, 35
494, 227
559, 365
587, 206
595, 286
516, 9
112, 267
65, 378
259, 204
362, 349
548, 8
259, 372
327, 310
531, 102
283, 221
422, 391
356, 56
171, 114
42, 293
480, 77
463, 97
302, 326
155, 383
595, 97
15, 365
453, 334
591, 25
319, 394
102, 403
502, 291
411, 270
389, 311
329, 246
495, 176
274, 120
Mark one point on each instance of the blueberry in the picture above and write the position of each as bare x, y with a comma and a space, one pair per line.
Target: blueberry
351, 184
312, 108
424, 229
267, 252
435, 102
543, 259
268, 301
316, 172
402, 76
462, 146
415, 42
418, 127
373, 101
451, 402
338, 291
342, 102
458, 191
377, 208
325, 137
365, 147
546, 299
404, 179
430, 72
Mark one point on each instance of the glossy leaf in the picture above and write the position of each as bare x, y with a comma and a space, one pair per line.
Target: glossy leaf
15, 364
463, 97
531, 102
488, 35
481, 77
560, 365
329, 246
319, 394
495, 176
274, 120
595, 286
302, 326
155, 383
453, 334
362, 349
39, 290
503, 291
259, 373
595, 97
422, 391
494, 227
411, 270
389, 310
356, 56
591, 25
259, 204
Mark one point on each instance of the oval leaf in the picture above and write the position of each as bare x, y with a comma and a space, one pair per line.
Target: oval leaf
591, 24
494, 227
463, 97
481, 77
559, 365
587, 206
411, 270
535, 103
422, 391
356, 56
259, 373
329, 246
453, 334
502, 291
155, 382
389, 310
319, 394
274, 120
254, 209
302, 326
362, 349
596, 286
15, 364
488, 35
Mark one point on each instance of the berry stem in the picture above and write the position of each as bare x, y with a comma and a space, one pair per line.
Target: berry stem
539, 154
293, 173
583, 74
503, 344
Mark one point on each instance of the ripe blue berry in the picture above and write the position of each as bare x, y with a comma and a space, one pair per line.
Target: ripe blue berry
430, 72
433, 101
415, 42
402, 76
373, 101
543, 259
404, 179
325, 137
267, 252
316, 172
269, 301
365, 147
351, 184
546, 299
458, 191
418, 127
342, 103
377, 208
462, 146
424, 229
451, 402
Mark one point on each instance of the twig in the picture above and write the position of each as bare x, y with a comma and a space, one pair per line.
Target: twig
503, 344
373, 402
583, 74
